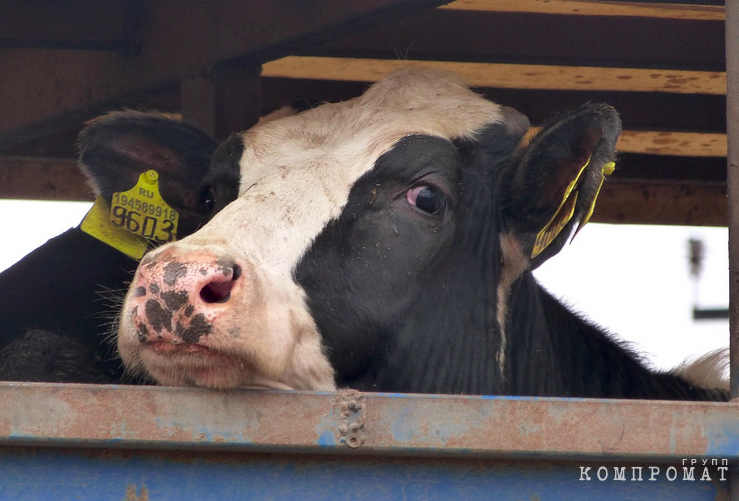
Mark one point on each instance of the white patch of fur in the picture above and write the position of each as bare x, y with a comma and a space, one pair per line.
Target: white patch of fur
708, 371
296, 176
513, 264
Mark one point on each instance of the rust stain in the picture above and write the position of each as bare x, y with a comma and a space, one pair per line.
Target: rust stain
132, 494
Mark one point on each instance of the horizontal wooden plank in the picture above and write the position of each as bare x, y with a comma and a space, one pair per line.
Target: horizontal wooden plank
517, 76
672, 143
629, 202
691, 144
595, 8
42, 179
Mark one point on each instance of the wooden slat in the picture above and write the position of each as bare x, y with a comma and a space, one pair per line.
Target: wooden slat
661, 203
689, 144
45, 91
595, 8
42, 179
692, 144
513, 76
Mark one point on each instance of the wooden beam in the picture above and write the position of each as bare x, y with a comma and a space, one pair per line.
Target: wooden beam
628, 202
223, 101
686, 144
43, 91
691, 144
198, 102
515, 76
238, 98
42, 179
595, 8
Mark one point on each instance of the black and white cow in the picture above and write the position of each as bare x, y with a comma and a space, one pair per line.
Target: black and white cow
385, 244
54, 320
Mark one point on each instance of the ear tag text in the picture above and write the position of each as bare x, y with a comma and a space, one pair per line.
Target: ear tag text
97, 224
142, 211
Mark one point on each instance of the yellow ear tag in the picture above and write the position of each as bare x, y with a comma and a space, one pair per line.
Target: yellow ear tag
555, 226
608, 169
561, 217
142, 210
97, 224
134, 216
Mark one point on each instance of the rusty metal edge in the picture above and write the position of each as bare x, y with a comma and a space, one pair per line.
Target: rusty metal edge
51, 415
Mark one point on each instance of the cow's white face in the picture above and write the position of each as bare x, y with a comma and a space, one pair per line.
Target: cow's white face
297, 173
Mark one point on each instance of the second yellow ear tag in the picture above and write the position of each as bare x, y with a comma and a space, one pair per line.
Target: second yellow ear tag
142, 210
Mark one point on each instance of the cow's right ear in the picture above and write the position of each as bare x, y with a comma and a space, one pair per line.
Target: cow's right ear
116, 148
552, 187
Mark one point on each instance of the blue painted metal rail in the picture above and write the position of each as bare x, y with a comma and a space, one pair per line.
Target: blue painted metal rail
136, 443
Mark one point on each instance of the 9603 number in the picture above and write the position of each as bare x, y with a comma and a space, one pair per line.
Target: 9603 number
148, 226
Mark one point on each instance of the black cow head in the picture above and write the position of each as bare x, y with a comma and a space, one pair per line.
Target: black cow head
374, 245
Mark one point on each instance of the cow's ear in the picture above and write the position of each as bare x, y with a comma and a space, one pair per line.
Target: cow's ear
118, 147
551, 190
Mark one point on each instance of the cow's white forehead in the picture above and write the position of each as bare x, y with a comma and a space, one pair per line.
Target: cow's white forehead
411, 101
297, 171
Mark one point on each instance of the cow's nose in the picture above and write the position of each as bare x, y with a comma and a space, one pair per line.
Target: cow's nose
218, 289
178, 297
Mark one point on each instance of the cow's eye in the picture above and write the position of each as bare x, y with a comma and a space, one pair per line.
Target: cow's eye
427, 198
209, 199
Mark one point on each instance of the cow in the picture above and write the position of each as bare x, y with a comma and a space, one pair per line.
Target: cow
386, 243
59, 300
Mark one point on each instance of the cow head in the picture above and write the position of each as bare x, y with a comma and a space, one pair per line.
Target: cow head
373, 245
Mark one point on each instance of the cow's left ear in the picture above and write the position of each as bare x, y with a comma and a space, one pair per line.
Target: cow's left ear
551, 190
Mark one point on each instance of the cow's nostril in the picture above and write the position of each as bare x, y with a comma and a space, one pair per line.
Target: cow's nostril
216, 292
220, 291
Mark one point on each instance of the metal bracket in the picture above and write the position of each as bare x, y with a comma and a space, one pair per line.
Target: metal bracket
352, 429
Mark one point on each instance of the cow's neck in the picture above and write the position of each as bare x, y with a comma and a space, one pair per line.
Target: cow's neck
557, 353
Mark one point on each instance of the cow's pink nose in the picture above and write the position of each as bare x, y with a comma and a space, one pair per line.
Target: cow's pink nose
178, 297
218, 290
